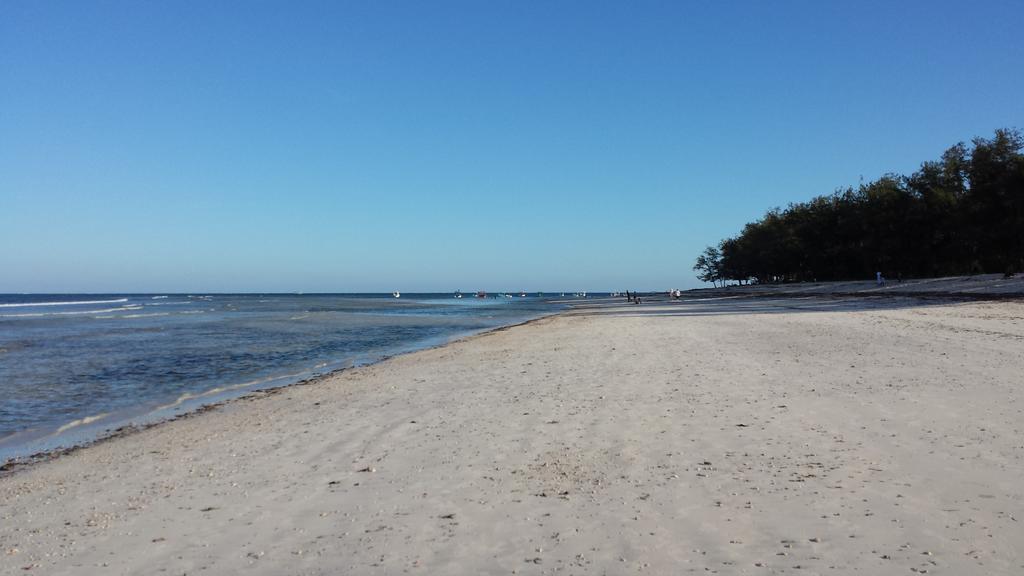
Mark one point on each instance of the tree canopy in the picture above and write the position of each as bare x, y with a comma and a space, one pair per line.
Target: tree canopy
708, 266
960, 214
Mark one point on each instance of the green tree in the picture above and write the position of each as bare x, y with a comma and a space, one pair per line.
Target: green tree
963, 213
709, 266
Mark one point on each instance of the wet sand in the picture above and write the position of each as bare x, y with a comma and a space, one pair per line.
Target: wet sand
721, 435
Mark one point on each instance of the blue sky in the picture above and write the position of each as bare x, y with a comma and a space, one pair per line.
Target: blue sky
421, 146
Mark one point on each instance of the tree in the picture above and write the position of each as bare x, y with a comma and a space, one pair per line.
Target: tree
709, 266
963, 213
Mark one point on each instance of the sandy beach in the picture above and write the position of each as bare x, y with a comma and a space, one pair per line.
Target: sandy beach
729, 435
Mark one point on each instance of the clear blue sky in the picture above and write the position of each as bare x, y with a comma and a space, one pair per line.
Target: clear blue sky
372, 146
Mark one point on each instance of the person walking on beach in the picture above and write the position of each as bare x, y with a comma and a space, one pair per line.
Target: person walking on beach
878, 279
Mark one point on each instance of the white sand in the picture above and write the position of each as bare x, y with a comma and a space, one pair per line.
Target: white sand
731, 436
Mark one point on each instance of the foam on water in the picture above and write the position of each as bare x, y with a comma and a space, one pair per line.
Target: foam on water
80, 422
68, 303
69, 312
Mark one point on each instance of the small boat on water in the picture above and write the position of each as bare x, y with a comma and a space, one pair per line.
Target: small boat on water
396, 294
481, 294
522, 293
458, 294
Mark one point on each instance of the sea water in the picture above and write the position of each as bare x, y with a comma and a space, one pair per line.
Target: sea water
75, 367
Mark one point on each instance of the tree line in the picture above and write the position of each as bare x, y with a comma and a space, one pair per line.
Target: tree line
960, 214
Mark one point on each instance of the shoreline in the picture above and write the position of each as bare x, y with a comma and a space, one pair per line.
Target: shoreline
126, 426
739, 435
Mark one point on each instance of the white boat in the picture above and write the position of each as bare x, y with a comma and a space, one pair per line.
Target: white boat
458, 294
396, 294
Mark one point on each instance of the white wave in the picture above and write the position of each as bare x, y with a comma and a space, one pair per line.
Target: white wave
220, 389
70, 313
145, 315
158, 297
81, 422
71, 303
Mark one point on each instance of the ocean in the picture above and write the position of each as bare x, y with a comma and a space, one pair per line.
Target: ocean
73, 368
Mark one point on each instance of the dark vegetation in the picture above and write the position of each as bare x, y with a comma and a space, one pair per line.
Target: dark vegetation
961, 214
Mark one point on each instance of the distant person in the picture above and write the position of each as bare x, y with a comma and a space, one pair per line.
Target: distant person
878, 279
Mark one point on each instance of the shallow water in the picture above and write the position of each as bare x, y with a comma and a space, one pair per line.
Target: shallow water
73, 367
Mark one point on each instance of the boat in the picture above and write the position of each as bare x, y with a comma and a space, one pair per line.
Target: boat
396, 294
458, 294
481, 294
522, 293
